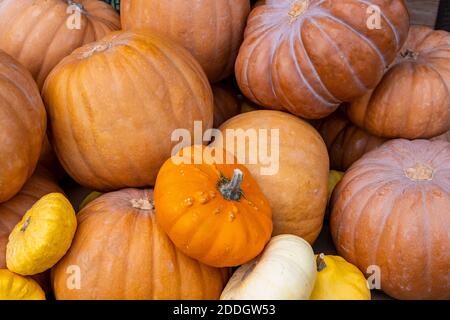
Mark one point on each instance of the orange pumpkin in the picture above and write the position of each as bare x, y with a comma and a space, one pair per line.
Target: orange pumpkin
307, 56
12, 211
211, 30
49, 160
294, 176
120, 252
213, 212
346, 142
39, 33
413, 99
226, 104
22, 126
391, 210
443, 137
114, 105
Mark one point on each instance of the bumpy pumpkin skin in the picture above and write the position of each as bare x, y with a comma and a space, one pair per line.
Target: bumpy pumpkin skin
114, 105
15, 287
413, 99
211, 31
123, 254
12, 211
339, 280
391, 210
298, 192
346, 143
226, 104
23, 123
201, 220
37, 33
307, 56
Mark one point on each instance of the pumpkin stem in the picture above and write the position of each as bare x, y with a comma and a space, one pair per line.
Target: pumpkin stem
320, 262
231, 189
79, 6
409, 54
298, 7
142, 204
420, 172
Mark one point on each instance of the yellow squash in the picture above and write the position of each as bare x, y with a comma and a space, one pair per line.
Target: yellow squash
43, 236
339, 280
333, 180
15, 287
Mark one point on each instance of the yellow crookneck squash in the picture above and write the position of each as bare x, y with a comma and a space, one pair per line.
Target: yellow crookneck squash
43, 236
338, 279
15, 287
213, 212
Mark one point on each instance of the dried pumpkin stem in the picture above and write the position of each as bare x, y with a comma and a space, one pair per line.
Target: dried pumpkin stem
79, 6
231, 189
320, 262
409, 54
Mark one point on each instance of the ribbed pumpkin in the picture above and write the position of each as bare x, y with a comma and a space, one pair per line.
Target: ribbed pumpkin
443, 137
212, 30
12, 211
22, 126
121, 253
391, 210
295, 179
39, 33
114, 105
413, 99
346, 142
307, 56
226, 104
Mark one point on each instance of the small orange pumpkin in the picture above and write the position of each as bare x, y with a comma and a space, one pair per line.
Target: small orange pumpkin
213, 212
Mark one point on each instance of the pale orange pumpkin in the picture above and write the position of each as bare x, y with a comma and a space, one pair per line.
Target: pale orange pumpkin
39, 33
120, 252
114, 104
212, 30
23, 123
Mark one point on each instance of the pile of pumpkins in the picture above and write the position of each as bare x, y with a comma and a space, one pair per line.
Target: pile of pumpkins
97, 95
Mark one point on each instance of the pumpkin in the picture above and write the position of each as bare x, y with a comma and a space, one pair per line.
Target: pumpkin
212, 210
339, 280
226, 104
212, 31
443, 137
42, 237
49, 160
346, 143
306, 57
15, 287
12, 211
293, 176
22, 126
120, 252
413, 99
286, 270
391, 211
114, 105
39, 33
89, 198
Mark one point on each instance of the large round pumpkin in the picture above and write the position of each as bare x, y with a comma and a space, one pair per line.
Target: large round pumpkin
307, 56
22, 126
226, 103
12, 211
391, 210
120, 252
294, 177
346, 142
413, 99
39, 33
114, 104
212, 30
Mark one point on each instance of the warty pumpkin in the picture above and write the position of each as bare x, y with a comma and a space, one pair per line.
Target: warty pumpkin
308, 56
114, 104
346, 143
22, 126
12, 211
226, 103
39, 33
15, 287
212, 30
286, 270
213, 210
413, 98
297, 165
122, 253
391, 210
